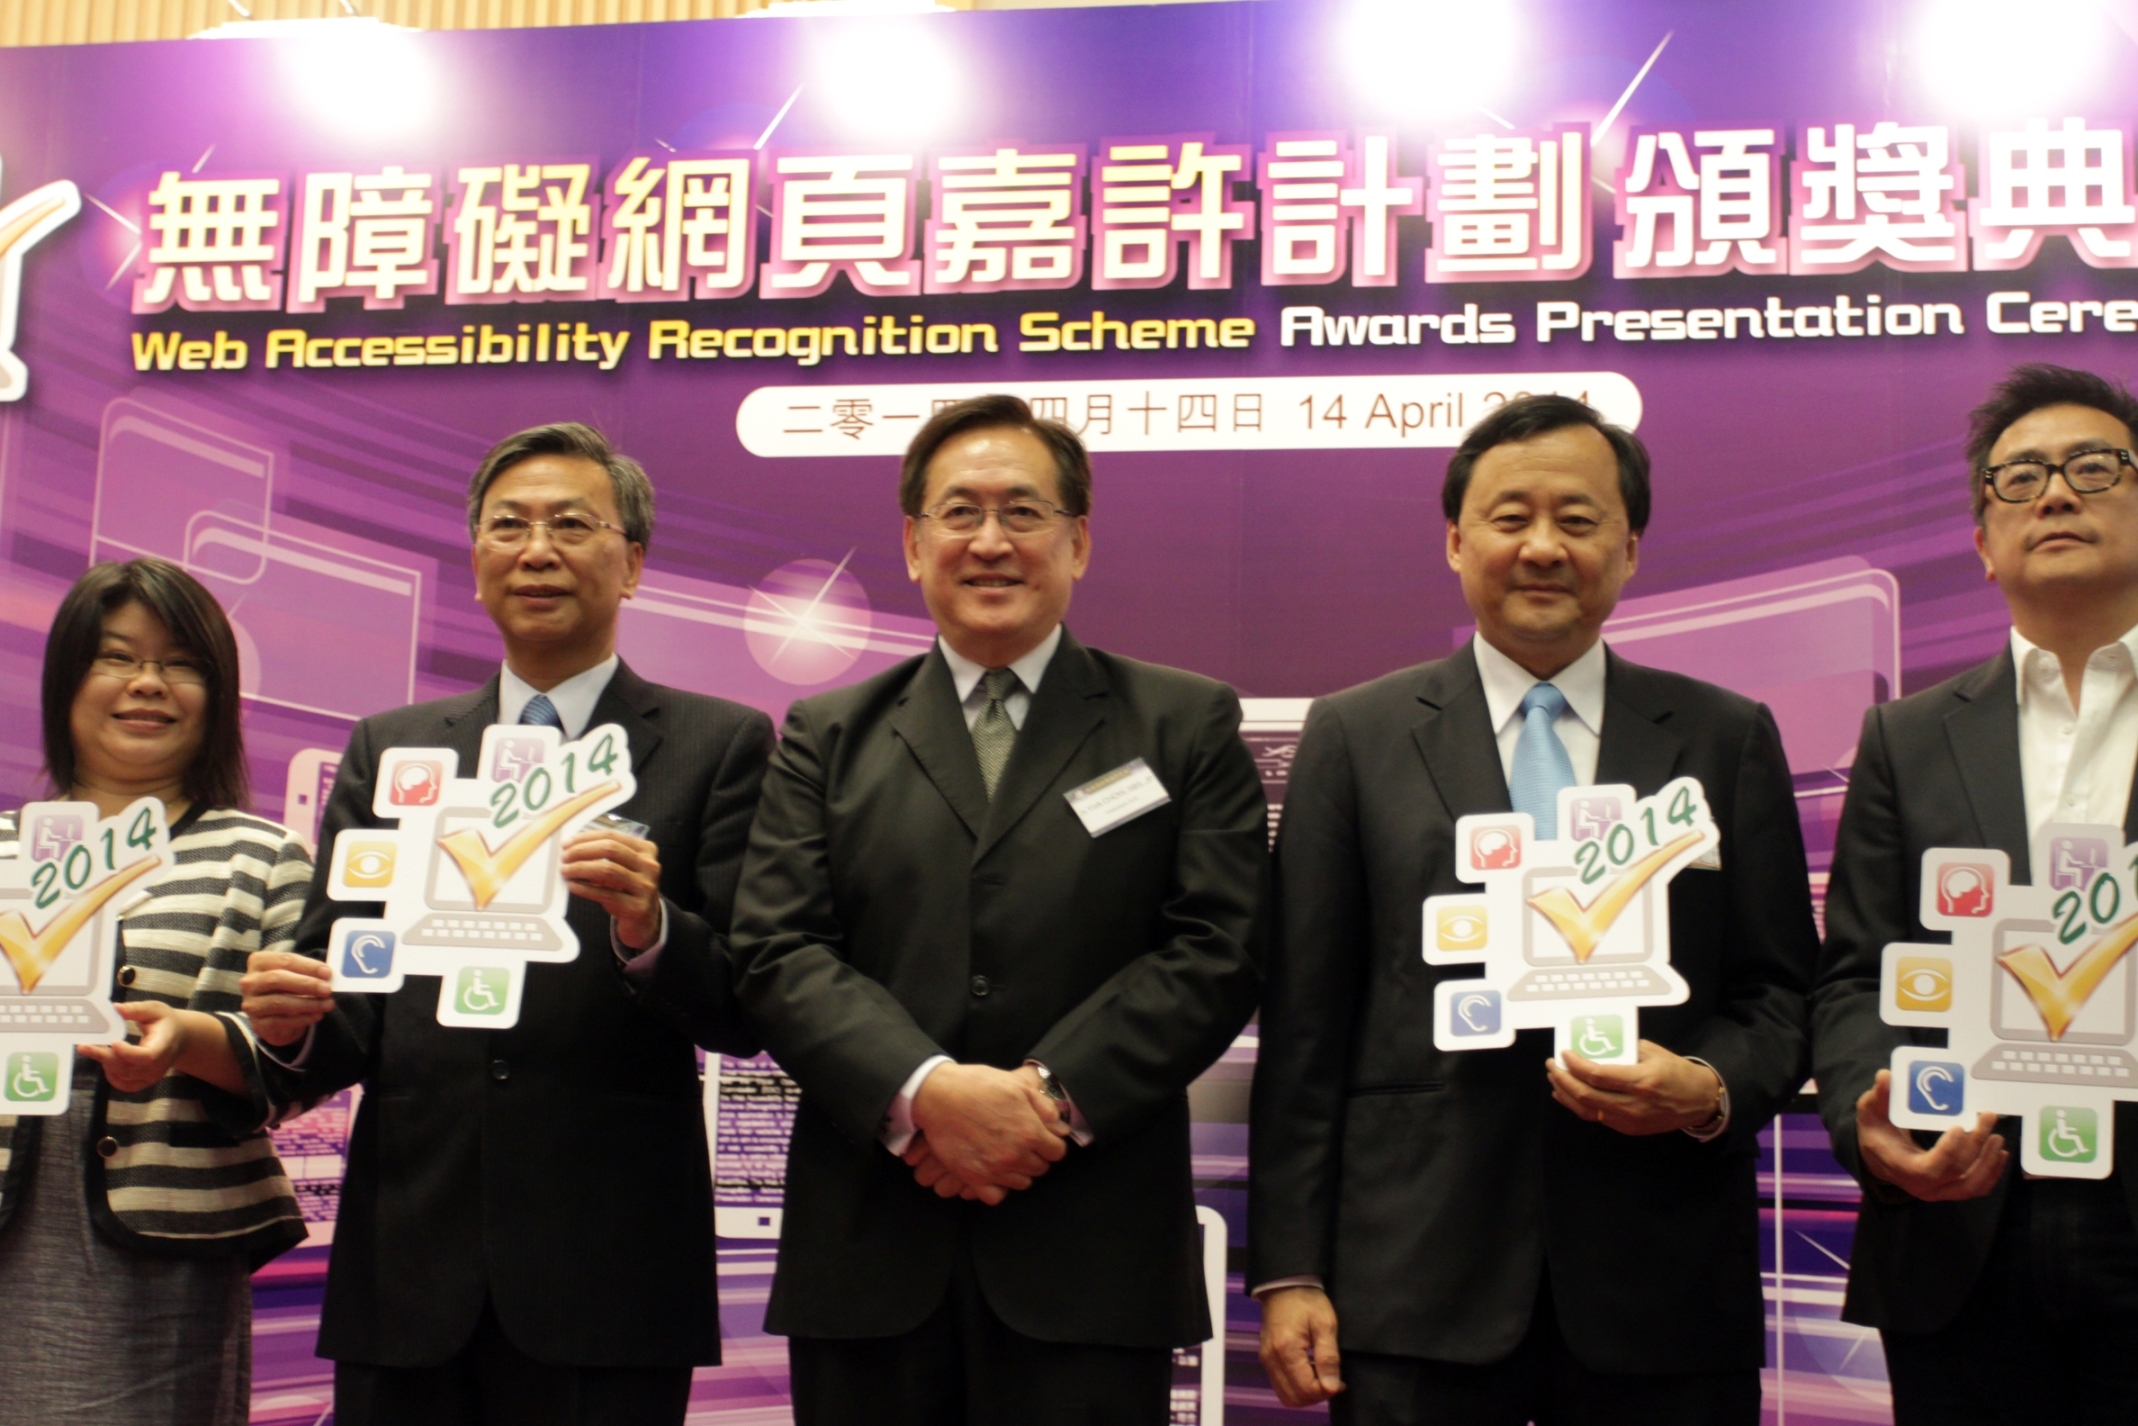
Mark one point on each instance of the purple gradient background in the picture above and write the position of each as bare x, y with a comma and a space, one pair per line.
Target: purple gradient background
1287, 574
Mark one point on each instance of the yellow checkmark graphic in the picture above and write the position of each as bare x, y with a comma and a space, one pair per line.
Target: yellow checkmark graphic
31, 953
2061, 995
488, 870
1584, 927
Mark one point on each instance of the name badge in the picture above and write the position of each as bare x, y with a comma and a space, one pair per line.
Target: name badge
1122, 795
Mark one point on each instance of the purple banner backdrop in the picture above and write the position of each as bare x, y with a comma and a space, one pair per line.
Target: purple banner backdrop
263, 305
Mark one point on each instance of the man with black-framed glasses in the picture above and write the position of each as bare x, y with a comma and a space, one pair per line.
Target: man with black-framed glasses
994, 918
525, 1235
1999, 1298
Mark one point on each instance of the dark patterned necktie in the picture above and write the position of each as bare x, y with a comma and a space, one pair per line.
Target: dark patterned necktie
542, 713
993, 733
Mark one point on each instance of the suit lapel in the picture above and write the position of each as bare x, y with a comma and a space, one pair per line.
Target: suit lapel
1456, 738
932, 726
635, 706
1070, 703
464, 724
1983, 734
1638, 747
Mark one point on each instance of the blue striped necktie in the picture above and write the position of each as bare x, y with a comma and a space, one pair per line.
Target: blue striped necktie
1541, 766
542, 713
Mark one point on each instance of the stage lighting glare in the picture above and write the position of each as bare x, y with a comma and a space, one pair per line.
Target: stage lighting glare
362, 80
2011, 58
888, 79
1433, 59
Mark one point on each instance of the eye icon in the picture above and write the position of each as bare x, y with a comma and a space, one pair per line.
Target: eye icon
1922, 983
369, 864
1460, 928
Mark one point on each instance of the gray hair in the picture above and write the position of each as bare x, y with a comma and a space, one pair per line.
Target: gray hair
627, 478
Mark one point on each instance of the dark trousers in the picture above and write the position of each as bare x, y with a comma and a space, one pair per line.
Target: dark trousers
490, 1382
965, 1366
1542, 1383
2050, 1332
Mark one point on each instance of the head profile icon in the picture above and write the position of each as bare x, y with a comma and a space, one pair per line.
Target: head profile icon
1964, 890
1495, 848
417, 783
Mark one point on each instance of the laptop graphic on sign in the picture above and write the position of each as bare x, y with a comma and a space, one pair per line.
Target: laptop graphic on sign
515, 916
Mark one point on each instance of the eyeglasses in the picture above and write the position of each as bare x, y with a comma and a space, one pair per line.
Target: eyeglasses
178, 670
2017, 482
1019, 517
569, 532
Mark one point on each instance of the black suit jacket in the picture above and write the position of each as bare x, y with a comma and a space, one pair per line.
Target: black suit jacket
1939, 768
559, 1166
889, 912
1431, 1191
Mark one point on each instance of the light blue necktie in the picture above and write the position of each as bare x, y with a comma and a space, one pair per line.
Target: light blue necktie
543, 714
1541, 766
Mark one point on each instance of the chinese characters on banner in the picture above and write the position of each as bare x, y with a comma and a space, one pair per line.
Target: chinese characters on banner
1137, 212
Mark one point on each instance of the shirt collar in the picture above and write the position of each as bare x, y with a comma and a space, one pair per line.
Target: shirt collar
574, 699
2030, 660
965, 674
1507, 683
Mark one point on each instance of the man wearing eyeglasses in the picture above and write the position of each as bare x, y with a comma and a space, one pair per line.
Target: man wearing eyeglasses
994, 918
525, 1229
1999, 1298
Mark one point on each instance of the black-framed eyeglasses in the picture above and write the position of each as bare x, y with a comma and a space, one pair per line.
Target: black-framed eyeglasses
178, 670
2020, 482
1019, 517
567, 531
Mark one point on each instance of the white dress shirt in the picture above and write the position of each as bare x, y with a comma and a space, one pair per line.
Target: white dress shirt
965, 676
1579, 726
2076, 763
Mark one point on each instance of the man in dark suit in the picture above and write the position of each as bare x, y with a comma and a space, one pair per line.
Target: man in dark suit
994, 919
1432, 1239
1999, 1298
525, 1230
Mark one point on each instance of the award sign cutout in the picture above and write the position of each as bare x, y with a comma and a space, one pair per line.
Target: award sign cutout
61, 896
2035, 995
471, 878
1573, 933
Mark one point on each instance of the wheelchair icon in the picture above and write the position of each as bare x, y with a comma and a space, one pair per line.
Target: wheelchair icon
479, 991
2067, 1142
32, 1078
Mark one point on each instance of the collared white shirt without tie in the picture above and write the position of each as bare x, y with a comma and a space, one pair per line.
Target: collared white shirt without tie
2076, 763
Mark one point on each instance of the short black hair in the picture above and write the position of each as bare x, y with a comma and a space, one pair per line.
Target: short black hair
1526, 417
2025, 390
1072, 464
217, 776
627, 478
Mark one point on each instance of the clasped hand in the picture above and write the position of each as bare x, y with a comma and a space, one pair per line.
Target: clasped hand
983, 1133
1659, 1093
1962, 1164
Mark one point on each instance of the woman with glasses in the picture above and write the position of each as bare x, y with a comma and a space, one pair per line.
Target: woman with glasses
130, 1225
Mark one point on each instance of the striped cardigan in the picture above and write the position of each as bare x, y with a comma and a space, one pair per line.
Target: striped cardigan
183, 1169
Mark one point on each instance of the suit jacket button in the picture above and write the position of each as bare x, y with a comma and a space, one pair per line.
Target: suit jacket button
980, 986
126, 975
107, 1147
500, 1071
